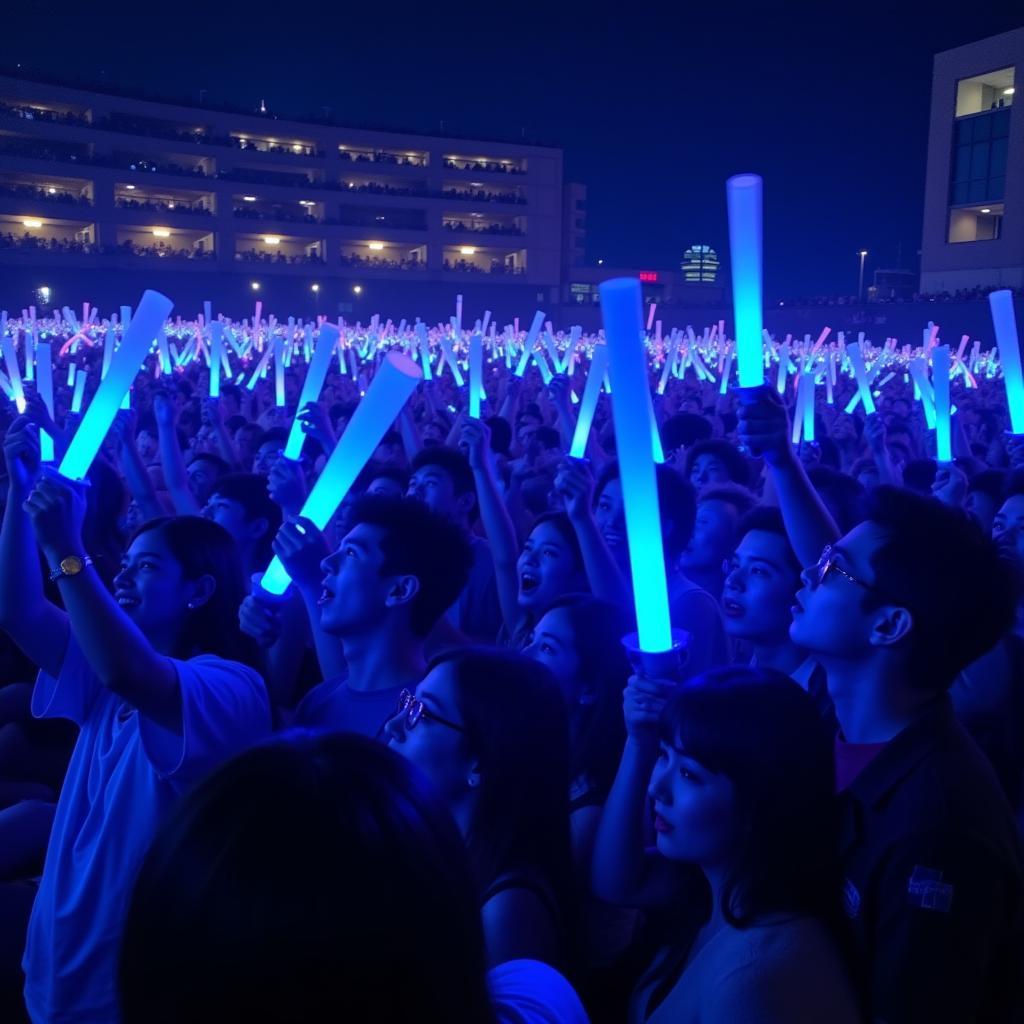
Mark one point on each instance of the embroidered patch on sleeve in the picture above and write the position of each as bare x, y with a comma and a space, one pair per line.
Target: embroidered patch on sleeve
927, 891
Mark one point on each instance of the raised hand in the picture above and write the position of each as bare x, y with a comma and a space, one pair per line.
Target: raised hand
301, 548
764, 427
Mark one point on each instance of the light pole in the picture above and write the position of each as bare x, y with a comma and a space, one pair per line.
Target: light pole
860, 284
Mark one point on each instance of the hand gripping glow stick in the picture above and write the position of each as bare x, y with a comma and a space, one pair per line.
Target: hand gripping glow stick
940, 383
860, 374
45, 386
476, 374
623, 325
316, 374
531, 337
216, 350
744, 196
389, 390
135, 344
591, 392
1005, 323
14, 372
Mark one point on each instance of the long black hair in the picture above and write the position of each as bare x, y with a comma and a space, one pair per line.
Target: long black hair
765, 734
313, 878
203, 548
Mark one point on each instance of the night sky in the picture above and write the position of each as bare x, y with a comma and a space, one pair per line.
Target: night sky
654, 104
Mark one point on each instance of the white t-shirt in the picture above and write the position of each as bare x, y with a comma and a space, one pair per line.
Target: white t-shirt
531, 992
124, 774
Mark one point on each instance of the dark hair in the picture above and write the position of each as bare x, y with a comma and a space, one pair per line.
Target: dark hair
962, 601
375, 471
561, 522
684, 429
531, 409
452, 461
203, 548
312, 878
422, 544
235, 423
843, 495
739, 497
597, 628
516, 727
768, 519
548, 437
919, 475
501, 434
215, 461
250, 491
991, 482
736, 465
764, 733
276, 435
677, 502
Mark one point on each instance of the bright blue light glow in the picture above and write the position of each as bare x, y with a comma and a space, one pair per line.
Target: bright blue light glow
316, 374
449, 358
1001, 304
591, 393
623, 327
861, 376
135, 344
476, 373
216, 347
79, 394
940, 383
531, 338
394, 382
807, 383
278, 371
44, 383
743, 193
421, 333
14, 372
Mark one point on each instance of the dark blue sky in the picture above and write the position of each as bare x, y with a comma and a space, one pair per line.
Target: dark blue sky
655, 104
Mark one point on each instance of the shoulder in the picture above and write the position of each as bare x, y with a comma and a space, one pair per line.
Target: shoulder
531, 992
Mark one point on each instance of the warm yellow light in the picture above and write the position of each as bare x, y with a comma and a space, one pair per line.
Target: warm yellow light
296, 148
468, 250
1009, 92
32, 223
377, 246
358, 289
249, 199
272, 239
161, 232
131, 188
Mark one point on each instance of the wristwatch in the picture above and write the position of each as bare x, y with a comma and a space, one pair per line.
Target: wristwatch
70, 566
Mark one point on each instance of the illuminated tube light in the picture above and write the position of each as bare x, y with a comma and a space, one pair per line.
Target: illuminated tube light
147, 322
44, 384
216, 350
31, 223
387, 393
940, 384
421, 333
14, 372
316, 374
853, 350
623, 327
278, 346
807, 382
591, 392
476, 373
79, 393
1001, 304
531, 337
744, 197
449, 357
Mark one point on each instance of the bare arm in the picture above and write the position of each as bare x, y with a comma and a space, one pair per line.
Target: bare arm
175, 474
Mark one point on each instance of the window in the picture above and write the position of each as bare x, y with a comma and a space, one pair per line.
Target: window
991, 91
976, 223
979, 157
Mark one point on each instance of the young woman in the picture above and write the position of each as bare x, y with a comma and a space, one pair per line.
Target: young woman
489, 730
152, 678
738, 767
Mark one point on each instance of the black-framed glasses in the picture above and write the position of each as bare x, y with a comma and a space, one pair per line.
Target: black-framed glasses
827, 565
415, 712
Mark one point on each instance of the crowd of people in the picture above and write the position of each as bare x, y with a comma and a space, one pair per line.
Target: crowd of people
433, 783
266, 256
50, 194
160, 206
30, 243
494, 228
490, 166
354, 259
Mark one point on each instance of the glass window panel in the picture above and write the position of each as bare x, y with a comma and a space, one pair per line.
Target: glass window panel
1001, 123
962, 165
979, 160
978, 191
960, 190
964, 131
997, 161
983, 127
996, 188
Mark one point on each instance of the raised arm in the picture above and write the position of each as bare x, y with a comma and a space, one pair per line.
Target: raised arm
874, 431
140, 484
213, 418
175, 474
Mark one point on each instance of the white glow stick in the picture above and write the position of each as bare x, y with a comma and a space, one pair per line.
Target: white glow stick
591, 393
76, 398
14, 372
940, 383
45, 387
316, 374
861, 376
216, 350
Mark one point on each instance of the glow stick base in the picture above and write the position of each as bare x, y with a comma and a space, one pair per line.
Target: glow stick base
658, 664
257, 591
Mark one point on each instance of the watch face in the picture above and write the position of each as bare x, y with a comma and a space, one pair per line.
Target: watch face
71, 566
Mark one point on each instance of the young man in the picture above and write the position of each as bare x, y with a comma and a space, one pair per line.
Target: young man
241, 505
933, 885
443, 481
719, 511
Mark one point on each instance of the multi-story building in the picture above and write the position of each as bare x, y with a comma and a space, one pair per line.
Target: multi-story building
974, 190
96, 183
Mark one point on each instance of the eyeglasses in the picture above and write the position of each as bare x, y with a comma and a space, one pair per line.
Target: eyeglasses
827, 565
414, 711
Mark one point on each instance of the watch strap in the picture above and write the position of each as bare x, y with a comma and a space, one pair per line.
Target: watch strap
59, 573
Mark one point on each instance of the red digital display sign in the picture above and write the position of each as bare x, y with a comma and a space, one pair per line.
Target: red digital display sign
649, 276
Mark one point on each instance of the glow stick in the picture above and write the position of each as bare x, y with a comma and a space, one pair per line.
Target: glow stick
476, 372
449, 355
45, 387
657, 453
531, 337
483, 325
542, 365
421, 331
650, 316
588, 404
108, 349
744, 197
71, 375
389, 390
798, 412
29, 343
807, 385
135, 344
623, 325
316, 374
863, 385
76, 398
724, 386
940, 382
14, 372
458, 316
780, 383
1005, 323
216, 350
570, 360
670, 359
923, 390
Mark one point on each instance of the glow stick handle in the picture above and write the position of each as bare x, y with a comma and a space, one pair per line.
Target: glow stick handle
44, 382
860, 374
623, 326
316, 374
940, 383
588, 404
1005, 323
744, 196
389, 390
135, 344
476, 373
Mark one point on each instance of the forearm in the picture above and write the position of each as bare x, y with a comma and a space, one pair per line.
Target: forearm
140, 485
606, 582
410, 434
808, 523
175, 474
888, 473
501, 536
226, 447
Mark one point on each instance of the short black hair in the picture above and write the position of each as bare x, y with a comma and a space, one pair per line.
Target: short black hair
275, 434
739, 497
843, 495
250, 491
214, 460
919, 475
452, 461
939, 564
422, 544
736, 465
683, 430
501, 434
768, 519
548, 437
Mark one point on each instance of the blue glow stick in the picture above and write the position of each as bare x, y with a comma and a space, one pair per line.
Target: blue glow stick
421, 333
531, 338
278, 346
30, 344
14, 372
216, 348
394, 382
623, 327
853, 350
135, 344
807, 382
316, 374
744, 196
71, 375
44, 383
588, 404
657, 453
1005, 323
79, 394
923, 390
476, 373
940, 383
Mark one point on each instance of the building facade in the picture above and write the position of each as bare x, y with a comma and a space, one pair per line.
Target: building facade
974, 189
